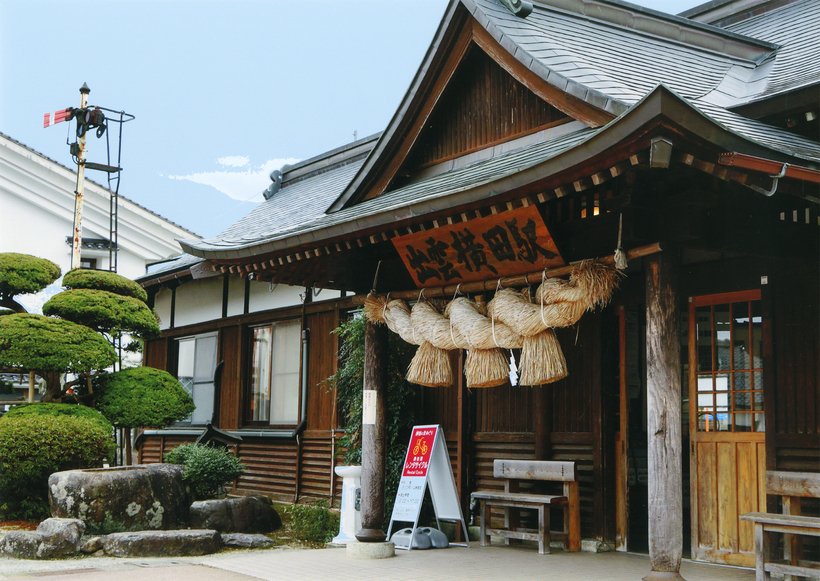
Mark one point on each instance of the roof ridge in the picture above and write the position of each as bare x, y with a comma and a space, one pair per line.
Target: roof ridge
673, 27
328, 159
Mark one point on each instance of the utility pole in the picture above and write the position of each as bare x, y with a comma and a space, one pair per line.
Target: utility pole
77, 239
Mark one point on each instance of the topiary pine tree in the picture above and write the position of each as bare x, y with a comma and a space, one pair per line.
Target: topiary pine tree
23, 274
50, 347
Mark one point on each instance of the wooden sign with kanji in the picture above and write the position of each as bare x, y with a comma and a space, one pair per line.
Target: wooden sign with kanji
505, 244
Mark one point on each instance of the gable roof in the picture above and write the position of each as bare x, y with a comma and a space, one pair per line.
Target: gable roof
601, 54
653, 66
498, 174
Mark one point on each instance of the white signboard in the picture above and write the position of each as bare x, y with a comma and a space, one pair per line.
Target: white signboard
369, 397
426, 463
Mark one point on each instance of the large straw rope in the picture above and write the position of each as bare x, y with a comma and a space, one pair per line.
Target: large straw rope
486, 364
430, 366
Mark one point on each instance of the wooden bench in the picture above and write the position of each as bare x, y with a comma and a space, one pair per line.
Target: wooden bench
515, 471
792, 487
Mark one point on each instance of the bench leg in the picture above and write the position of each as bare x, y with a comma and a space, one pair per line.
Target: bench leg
572, 515
484, 514
543, 530
761, 552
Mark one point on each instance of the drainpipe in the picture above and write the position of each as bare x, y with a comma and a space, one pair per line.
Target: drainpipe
305, 366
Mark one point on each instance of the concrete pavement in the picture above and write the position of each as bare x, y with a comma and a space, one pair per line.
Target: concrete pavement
497, 562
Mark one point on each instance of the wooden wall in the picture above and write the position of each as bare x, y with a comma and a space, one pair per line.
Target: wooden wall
482, 106
793, 405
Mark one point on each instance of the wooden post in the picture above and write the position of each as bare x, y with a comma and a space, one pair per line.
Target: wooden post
30, 387
373, 435
663, 385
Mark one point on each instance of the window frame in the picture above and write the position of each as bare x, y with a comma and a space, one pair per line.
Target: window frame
247, 391
175, 351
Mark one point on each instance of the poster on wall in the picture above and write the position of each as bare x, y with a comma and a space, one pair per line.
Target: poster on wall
426, 466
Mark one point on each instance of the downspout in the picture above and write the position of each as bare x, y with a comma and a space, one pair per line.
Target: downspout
297, 432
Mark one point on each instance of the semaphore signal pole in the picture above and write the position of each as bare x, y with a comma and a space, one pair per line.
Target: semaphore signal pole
93, 117
77, 238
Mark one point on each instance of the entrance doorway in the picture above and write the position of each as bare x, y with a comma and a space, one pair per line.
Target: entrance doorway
726, 424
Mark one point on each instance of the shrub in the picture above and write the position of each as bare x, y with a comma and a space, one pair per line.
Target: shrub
104, 311
59, 410
33, 445
313, 523
142, 396
207, 469
104, 280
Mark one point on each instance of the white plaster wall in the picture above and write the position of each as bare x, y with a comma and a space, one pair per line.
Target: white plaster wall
162, 307
198, 301
236, 296
326, 294
265, 296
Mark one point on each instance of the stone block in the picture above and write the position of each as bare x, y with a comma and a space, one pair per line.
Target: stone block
178, 543
246, 541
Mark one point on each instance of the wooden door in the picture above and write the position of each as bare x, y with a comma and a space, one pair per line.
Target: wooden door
726, 424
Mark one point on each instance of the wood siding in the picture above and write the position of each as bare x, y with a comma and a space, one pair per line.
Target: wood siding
323, 362
482, 105
793, 421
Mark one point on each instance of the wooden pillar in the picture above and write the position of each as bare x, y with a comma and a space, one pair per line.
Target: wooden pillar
663, 385
373, 434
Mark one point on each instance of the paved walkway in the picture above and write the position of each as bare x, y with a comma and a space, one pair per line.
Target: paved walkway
507, 563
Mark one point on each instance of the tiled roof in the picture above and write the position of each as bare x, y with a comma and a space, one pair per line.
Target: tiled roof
272, 221
613, 61
796, 28
610, 61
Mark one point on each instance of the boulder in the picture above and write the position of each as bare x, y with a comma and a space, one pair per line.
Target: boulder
91, 545
245, 541
162, 543
244, 514
61, 536
130, 498
21, 545
53, 539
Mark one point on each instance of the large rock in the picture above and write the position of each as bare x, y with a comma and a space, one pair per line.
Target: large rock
162, 543
130, 498
245, 514
54, 538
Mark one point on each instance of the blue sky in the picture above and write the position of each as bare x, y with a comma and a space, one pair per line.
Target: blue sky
223, 92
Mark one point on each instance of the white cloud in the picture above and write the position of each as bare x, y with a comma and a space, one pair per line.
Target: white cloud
245, 185
233, 161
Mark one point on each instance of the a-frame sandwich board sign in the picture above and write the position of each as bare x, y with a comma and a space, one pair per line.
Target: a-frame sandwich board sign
426, 464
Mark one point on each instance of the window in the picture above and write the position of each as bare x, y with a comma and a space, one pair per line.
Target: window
88, 263
274, 374
728, 330
196, 362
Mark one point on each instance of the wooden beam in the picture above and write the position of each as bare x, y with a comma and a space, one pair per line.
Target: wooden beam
373, 434
512, 281
663, 385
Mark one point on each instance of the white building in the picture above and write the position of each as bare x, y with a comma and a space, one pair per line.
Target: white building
37, 214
